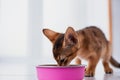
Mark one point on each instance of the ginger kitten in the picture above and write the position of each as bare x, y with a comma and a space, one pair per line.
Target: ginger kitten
89, 43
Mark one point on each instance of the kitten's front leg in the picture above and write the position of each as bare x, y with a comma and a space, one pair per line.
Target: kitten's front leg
107, 68
90, 70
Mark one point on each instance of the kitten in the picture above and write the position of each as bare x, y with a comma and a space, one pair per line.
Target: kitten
89, 43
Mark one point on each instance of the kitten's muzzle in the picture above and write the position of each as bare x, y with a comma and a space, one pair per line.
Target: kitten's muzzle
62, 62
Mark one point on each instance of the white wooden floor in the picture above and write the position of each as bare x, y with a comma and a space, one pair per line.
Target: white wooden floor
16, 71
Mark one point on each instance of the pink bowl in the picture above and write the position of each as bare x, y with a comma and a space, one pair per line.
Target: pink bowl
53, 72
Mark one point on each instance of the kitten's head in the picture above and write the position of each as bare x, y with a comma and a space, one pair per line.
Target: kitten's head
65, 45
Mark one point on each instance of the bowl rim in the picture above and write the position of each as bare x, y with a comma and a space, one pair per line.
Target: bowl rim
55, 66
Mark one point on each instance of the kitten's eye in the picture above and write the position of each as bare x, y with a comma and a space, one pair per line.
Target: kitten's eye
69, 46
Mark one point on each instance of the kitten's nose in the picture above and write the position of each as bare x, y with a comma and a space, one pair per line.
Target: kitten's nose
62, 60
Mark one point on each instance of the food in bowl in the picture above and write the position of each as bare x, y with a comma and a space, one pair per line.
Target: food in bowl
54, 72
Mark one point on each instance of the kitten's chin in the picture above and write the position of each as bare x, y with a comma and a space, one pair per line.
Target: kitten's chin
63, 64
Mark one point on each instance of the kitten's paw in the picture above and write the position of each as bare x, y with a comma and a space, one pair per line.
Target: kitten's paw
89, 73
108, 71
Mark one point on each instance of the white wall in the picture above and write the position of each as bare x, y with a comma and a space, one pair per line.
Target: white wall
20, 36
116, 28
34, 31
97, 14
13, 27
58, 15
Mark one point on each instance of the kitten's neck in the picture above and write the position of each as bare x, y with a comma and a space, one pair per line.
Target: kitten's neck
80, 38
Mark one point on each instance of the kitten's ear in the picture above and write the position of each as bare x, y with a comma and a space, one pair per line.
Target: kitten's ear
70, 37
51, 35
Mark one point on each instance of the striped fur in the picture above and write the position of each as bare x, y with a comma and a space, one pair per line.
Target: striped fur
89, 43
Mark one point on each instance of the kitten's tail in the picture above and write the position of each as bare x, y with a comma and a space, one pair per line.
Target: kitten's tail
114, 62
